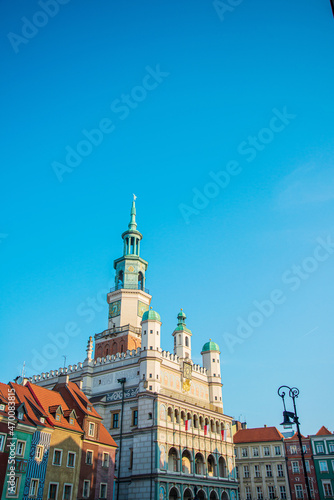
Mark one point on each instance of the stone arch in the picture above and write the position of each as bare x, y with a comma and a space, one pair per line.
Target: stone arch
174, 493
188, 494
114, 348
177, 415
201, 495
222, 469
211, 464
195, 421
170, 414
224, 496
199, 464
186, 462
213, 495
173, 460
106, 350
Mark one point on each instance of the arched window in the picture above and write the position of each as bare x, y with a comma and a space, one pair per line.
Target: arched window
170, 415
172, 460
106, 351
201, 424
211, 466
183, 417
140, 281
122, 347
195, 422
187, 495
187, 341
213, 495
199, 464
177, 416
201, 495
186, 462
173, 494
212, 426
222, 467
114, 348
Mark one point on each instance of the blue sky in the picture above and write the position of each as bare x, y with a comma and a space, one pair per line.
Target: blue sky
222, 124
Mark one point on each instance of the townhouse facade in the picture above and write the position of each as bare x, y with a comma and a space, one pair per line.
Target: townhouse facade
295, 468
323, 456
261, 465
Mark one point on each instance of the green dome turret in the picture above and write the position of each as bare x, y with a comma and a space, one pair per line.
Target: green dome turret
210, 346
151, 315
181, 322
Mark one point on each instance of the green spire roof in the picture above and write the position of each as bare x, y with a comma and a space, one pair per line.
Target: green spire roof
151, 315
181, 322
133, 223
210, 346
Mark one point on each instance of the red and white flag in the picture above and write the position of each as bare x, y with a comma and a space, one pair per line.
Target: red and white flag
205, 430
223, 435
188, 424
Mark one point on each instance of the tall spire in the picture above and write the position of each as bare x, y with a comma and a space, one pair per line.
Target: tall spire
133, 223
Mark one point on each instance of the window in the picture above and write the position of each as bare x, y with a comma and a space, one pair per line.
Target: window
293, 450
20, 447
105, 462
282, 491
115, 420
131, 458
67, 492
271, 492
304, 448
150, 416
86, 488
151, 331
2, 441
266, 451
70, 459
268, 471
320, 448
257, 471
89, 457
331, 448
13, 489
39, 452
277, 450
91, 429
58, 417
333, 465
327, 488
103, 490
20, 415
248, 493
2, 407
307, 466
323, 466
57, 456
259, 493
236, 452
255, 452
42, 420
237, 472
134, 417
299, 491
53, 491
295, 467
246, 471
33, 487
71, 421
244, 452
280, 472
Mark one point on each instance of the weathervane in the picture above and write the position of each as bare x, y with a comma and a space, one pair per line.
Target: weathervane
134, 197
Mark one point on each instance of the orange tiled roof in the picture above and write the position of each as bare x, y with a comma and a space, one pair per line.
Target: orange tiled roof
323, 432
33, 411
257, 435
82, 400
105, 437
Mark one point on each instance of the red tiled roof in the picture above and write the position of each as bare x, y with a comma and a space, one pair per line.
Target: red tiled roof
81, 398
323, 432
32, 408
257, 435
105, 437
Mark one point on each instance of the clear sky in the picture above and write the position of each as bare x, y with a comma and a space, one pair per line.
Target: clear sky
220, 119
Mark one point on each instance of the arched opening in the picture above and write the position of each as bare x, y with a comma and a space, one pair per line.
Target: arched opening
106, 351
186, 462
201, 424
187, 495
173, 494
122, 347
195, 422
211, 466
201, 495
199, 464
213, 495
183, 417
212, 426
177, 416
172, 460
120, 280
217, 427
170, 415
222, 467
114, 348
224, 496
140, 281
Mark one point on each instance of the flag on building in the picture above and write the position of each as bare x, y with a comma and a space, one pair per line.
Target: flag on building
223, 432
205, 430
188, 424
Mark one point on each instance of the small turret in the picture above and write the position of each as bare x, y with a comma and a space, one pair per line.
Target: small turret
150, 377
150, 333
211, 361
182, 337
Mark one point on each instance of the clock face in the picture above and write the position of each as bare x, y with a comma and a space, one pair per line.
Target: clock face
131, 269
114, 309
142, 307
187, 370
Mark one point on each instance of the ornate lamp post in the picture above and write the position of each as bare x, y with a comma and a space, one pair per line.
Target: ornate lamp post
332, 4
290, 418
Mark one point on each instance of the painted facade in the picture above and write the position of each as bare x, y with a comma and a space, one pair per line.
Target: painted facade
176, 442
295, 468
260, 458
323, 456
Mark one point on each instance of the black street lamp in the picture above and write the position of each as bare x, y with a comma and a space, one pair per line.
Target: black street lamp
332, 5
290, 418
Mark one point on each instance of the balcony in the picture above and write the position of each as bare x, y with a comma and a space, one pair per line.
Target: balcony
130, 287
118, 329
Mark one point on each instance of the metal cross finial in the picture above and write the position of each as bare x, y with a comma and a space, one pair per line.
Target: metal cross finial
134, 197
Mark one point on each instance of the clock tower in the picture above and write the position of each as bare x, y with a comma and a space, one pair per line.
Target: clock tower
128, 299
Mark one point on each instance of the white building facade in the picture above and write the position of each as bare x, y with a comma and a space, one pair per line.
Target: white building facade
164, 412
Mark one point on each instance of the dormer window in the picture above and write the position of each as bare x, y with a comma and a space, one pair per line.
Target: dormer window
2, 407
91, 429
58, 417
42, 420
20, 415
89, 408
71, 421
